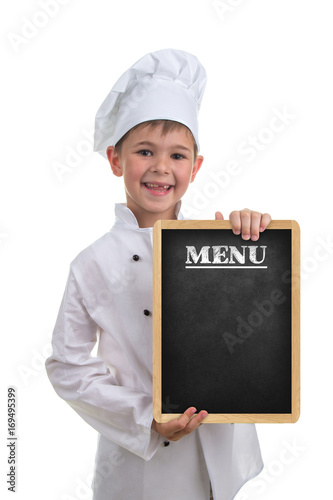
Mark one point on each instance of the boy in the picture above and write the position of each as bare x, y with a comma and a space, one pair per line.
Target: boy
147, 128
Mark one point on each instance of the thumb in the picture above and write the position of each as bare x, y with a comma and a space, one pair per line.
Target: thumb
218, 216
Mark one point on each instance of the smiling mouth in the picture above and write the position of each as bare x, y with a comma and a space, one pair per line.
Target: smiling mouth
157, 187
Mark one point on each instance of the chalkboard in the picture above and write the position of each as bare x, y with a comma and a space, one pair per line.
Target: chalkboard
226, 322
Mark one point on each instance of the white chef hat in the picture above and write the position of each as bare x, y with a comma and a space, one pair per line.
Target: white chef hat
167, 84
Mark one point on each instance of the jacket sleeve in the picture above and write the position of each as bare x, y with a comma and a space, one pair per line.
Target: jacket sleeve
121, 414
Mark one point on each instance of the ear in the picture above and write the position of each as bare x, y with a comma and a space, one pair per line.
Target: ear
114, 160
196, 167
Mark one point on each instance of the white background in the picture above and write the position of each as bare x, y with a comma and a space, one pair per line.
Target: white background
259, 55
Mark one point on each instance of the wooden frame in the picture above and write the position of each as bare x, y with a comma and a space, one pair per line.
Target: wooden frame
295, 324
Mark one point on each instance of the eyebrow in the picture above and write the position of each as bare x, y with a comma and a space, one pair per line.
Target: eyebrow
151, 144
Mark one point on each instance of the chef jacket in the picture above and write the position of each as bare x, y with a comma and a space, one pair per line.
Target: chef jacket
108, 299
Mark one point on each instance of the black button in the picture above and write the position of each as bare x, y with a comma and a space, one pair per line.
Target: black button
166, 443
146, 312
136, 258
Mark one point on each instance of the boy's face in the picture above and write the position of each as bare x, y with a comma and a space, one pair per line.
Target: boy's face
157, 171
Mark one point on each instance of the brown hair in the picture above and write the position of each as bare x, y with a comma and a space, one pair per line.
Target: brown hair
167, 126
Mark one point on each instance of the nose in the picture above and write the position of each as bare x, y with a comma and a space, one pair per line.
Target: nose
161, 165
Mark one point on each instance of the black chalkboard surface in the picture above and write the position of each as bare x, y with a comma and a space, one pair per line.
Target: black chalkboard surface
226, 322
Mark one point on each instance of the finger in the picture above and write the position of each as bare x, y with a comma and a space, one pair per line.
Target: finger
196, 420
265, 220
255, 224
245, 217
180, 423
192, 425
218, 216
235, 221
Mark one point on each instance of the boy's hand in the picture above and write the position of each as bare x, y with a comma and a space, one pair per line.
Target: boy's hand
247, 222
180, 427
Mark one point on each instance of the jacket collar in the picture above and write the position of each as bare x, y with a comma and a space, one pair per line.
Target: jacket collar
125, 216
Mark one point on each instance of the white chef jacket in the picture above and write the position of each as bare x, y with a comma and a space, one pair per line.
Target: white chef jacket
108, 298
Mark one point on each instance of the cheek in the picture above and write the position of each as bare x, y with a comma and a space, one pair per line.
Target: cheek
184, 178
132, 176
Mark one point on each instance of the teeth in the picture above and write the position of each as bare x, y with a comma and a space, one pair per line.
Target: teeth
151, 185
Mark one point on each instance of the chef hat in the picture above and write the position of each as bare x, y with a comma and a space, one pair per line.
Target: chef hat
167, 84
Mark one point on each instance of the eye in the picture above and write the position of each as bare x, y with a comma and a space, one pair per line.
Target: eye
145, 152
177, 156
